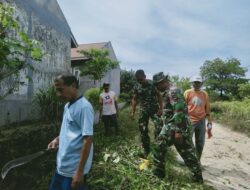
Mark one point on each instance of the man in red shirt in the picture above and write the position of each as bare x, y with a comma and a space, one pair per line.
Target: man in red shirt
199, 109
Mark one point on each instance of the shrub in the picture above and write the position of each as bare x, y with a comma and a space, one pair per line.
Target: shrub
92, 96
50, 106
125, 97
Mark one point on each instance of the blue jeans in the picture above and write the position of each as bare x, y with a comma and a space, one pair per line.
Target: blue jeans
60, 182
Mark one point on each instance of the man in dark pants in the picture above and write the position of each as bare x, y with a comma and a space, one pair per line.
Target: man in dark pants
108, 109
75, 147
175, 131
150, 107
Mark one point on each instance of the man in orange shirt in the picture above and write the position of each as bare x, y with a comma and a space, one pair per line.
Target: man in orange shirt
199, 109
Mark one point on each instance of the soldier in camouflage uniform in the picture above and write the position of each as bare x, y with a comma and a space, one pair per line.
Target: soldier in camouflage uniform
176, 130
150, 107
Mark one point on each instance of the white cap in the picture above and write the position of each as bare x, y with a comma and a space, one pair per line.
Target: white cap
196, 79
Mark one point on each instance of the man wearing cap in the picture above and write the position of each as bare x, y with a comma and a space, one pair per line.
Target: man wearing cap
199, 109
175, 131
108, 109
150, 106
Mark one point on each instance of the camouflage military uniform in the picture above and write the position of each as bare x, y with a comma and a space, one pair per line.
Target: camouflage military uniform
176, 122
148, 109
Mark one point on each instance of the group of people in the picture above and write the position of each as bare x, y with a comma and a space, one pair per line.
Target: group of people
175, 116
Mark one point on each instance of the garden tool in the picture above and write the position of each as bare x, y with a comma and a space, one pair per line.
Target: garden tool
20, 161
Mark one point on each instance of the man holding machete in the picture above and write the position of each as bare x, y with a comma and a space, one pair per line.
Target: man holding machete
75, 147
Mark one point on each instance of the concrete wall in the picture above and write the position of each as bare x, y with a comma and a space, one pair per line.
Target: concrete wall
15, 111
44, 21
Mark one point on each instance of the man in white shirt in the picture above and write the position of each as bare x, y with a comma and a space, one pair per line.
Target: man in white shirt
108, 109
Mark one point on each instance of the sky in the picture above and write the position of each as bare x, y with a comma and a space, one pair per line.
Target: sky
173, 36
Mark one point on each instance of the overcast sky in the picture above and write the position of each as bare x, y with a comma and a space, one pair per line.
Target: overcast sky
173, 36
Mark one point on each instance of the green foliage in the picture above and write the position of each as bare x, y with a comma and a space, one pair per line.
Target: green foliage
182, 83
127, 81
223, 77
244, 90
125, 97
98, 63
118, 171
92, 96
17, 51
50, 106
235, 114
116, 162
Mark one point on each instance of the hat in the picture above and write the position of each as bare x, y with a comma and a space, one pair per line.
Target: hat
159, 77
196, 79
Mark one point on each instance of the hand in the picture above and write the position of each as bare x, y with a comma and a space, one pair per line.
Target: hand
159, 113
77, 180
209, 133
209, 130
53, 144
178, 137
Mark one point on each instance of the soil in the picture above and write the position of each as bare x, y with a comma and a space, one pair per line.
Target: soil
226, 159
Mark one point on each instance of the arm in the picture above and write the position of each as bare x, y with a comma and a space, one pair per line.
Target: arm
54, 143
78, 176
159, 97
133, 105
116, 107
209, 119
101, 108
208, 110
116, 104
86, 121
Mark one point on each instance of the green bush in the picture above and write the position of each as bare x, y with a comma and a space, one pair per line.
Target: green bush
49, 105
125, 97
120, 169
92, 96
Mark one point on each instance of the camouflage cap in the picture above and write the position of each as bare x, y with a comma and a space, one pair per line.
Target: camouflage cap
159, 77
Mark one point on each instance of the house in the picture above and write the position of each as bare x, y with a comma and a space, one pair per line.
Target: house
78, 61
44, 21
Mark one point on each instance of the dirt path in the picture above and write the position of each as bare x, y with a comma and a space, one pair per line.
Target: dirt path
226, 159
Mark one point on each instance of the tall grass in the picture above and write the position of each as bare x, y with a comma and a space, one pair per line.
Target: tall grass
49, 105
235, 114
116, 163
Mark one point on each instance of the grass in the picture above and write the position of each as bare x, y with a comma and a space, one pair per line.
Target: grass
235, 114
116, 163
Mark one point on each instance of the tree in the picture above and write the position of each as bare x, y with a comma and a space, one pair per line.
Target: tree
98, 63
244, 90
17, 51
182, 83
223, 76
127, 81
